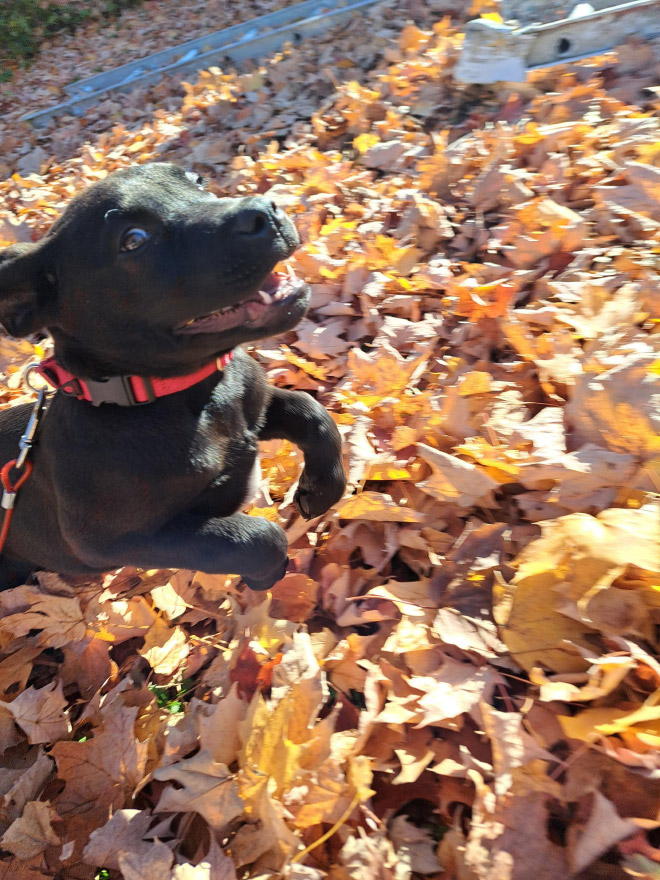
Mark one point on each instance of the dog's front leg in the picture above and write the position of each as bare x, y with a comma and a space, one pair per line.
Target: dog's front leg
296, 416
249, 546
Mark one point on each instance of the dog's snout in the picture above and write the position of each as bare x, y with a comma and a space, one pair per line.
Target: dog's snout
256, 218
252, 221
257, 225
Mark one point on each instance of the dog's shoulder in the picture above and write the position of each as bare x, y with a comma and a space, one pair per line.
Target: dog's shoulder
243, 388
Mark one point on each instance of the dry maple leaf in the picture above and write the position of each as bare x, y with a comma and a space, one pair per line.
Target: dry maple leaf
32, 832
56, 620
164, 649
619, 408
456, 688
152, 864
41, 713
456, 480
124, 832
218, 727
103, 770
205, 787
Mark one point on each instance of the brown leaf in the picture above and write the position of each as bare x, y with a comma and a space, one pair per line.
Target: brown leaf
57, 620
205, 787
104, 769
26, 784
41, 713
32, 832
218, 727
598, 831
123, 833
153, 864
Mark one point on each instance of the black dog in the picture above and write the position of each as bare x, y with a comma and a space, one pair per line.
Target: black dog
147, 275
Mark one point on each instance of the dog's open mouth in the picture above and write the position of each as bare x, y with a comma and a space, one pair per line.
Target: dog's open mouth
277, 292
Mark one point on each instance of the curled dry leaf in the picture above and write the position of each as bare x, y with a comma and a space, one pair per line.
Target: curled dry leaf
205, 787
50, 621
32, 832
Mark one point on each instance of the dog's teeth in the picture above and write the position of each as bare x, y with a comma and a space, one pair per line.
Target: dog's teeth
266, 297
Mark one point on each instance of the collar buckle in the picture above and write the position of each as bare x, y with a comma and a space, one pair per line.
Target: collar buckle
119, 390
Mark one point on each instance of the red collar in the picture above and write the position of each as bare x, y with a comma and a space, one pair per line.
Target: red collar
124, 390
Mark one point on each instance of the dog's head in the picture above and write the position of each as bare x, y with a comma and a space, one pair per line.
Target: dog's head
147, 272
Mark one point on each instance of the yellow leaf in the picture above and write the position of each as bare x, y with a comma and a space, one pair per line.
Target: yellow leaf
309, 367
373, 506
386, 472
533, 631
476, 382
405, 259
165, 648
364, 142
411, 37
640, 716
359, 775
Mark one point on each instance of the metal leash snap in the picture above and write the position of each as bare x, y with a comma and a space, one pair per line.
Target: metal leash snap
25, 443
33, 368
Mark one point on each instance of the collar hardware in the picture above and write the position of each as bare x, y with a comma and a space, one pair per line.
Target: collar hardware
117, 389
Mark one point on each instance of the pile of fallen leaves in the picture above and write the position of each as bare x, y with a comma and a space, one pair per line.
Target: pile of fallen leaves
458, 677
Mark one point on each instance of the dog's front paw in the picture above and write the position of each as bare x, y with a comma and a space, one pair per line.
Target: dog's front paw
269, 560
317, 493
269, 581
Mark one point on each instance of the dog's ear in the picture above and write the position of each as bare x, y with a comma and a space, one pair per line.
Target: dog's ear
25, 287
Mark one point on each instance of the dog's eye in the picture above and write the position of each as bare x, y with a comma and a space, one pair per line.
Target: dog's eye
133, 239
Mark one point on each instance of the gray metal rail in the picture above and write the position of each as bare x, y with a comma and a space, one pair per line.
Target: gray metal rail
491, 52
253, 38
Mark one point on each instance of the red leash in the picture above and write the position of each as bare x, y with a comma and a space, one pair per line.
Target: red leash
21, 463
9, 495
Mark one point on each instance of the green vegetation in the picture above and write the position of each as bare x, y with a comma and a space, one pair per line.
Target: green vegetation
172, 698
24, 24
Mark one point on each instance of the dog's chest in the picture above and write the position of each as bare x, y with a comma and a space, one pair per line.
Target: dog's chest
227, 428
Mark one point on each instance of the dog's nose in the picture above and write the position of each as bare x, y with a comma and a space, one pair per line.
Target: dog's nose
255, 219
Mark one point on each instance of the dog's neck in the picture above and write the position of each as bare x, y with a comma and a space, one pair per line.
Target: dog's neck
125, 390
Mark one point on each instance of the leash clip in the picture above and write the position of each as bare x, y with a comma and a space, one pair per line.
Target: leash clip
26, 442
